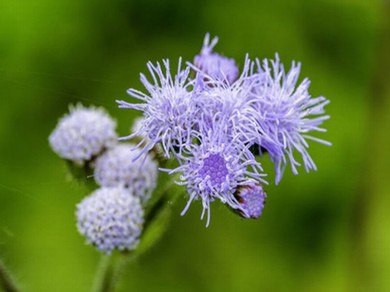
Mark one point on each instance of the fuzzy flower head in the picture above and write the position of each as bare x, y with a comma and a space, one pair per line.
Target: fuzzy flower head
168, 108
118, 167
233, 103
287, 113
213, 64
216, 168
111, 218
83, 134
252, 199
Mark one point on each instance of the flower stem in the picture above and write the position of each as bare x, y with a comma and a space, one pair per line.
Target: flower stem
110, 270
104, 275
6, 280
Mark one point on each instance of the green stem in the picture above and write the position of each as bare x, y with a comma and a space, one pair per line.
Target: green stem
110, 271
102, 280
6, 280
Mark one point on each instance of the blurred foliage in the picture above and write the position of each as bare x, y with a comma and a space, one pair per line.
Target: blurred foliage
322, 231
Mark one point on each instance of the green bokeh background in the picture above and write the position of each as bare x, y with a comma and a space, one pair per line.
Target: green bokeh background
323, 231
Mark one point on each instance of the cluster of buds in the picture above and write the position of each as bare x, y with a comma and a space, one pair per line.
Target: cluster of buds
112, 217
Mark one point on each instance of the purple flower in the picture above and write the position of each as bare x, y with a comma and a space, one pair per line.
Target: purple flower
168, 108
287, 113
111, 218
116, 167
233, 103
251, 199
83, 133
214, 123
216, 167
213, 64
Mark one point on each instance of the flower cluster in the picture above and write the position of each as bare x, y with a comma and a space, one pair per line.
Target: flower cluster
112, 217
217, 121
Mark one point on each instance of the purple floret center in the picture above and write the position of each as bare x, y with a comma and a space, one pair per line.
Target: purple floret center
214, 167
253, 201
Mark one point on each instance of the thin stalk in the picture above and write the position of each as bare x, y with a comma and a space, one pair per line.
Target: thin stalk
110, 270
